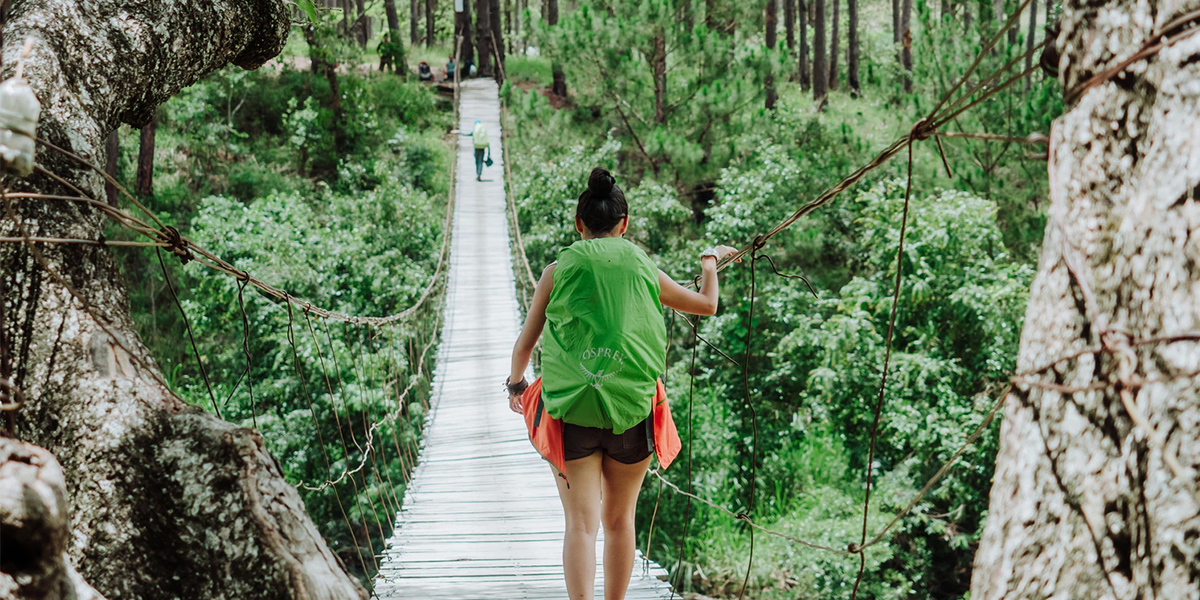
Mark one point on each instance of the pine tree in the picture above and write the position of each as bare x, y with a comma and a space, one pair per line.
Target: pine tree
804, 72
852, 42
835, 25
430, 13
906, 45
820, 77
789, 20
559, 79
483, 36
770, 23
497, 40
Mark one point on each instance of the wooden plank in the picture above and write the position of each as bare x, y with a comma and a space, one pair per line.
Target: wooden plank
481, 517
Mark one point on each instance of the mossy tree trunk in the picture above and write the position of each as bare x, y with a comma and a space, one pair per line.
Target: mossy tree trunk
166, 500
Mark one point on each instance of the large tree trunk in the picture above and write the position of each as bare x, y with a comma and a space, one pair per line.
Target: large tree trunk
1096, 494
145, 159
770, 23
34, 518
803, 72
483, 36
789, 23
497, 40
820, 74
658, 69
906, 45
414, 22
852, 43
833, 45
393, 18
166, 500
559, 85
462, 30
430, 14
1029, 44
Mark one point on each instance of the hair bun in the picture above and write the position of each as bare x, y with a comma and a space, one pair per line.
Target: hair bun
601, 182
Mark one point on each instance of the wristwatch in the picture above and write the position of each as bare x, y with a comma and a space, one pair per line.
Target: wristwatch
710, 252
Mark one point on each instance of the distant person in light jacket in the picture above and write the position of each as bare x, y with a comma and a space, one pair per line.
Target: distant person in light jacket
482, 148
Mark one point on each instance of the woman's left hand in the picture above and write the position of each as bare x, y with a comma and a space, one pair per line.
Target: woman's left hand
514, 403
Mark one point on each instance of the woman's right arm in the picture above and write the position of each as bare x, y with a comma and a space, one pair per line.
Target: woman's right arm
704, 302
535, 320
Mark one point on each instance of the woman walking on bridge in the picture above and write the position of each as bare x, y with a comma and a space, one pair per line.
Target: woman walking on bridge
599, 412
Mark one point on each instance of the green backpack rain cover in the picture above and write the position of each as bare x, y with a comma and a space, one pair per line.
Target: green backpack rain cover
605, 340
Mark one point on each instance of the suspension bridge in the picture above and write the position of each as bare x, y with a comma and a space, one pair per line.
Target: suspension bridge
481, 516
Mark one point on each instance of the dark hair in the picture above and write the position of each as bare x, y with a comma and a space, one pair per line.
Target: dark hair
602, 205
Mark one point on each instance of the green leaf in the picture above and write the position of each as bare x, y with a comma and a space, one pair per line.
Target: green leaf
308, 8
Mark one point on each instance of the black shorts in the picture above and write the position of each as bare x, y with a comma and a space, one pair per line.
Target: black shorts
630, 447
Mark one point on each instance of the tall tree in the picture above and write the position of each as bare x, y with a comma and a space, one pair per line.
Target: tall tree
897, 31
834, 25
361, 24
430, 16
1033, 11
558, 78
803, 72
770, 23
200, 509
906, 45
1095, 490
414, 20
789, 20
852, 43
145, 159
820, 76
462, 31
658, 69
483, 36
497, 39
393, 18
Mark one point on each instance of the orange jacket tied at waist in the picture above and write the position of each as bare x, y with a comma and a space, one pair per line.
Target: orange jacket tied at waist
545, 432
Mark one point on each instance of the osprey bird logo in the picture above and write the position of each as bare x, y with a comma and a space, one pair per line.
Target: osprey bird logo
598, 378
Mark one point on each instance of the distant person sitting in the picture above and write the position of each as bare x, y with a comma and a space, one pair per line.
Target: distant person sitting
424, 73
449, 69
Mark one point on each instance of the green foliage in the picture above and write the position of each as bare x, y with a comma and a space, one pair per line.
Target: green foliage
813, 362
245, 166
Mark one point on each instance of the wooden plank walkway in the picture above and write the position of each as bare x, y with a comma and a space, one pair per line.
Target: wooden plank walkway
481, 518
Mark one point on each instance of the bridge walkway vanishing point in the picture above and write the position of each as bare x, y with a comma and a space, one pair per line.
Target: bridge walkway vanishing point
481, 517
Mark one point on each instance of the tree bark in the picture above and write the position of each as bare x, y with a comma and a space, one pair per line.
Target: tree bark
393, 18
770, 24
658, 69
789, 20
360, 24
852, 43
462, 28
166, 500
804, 72
112, 151
559, 79
497, 40
414, 23
1086, 502
430, 14
483, 36
36, 528
906, 45
1029, 44
834, 25
145, 159
896, 29
820, 65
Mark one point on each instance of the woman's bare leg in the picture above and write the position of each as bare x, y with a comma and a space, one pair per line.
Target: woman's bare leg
622, 483
581, 504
